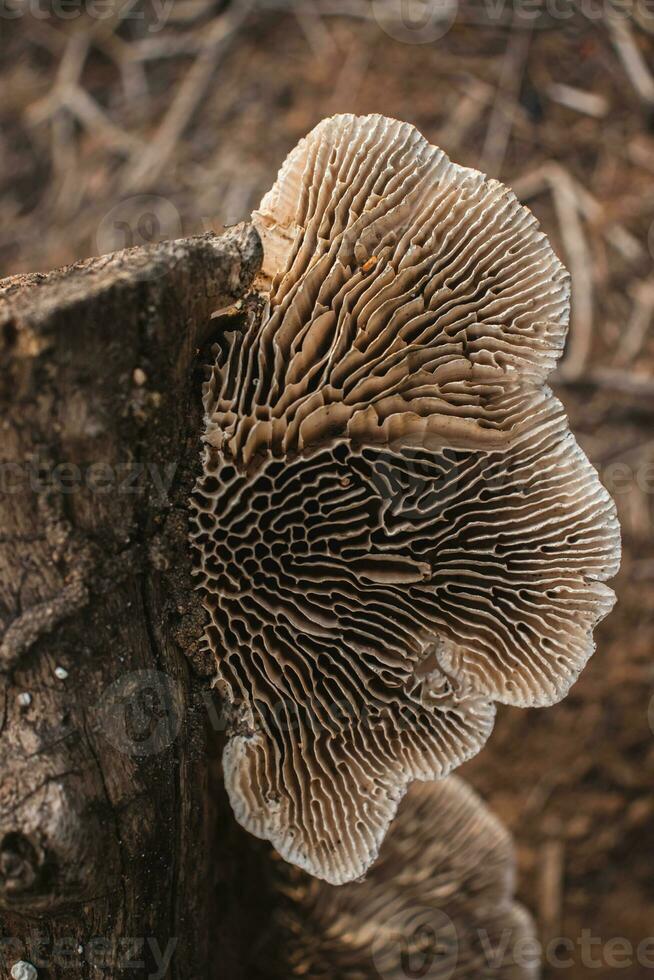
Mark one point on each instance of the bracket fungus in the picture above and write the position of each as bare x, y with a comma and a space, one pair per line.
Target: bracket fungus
394, 528
435, 905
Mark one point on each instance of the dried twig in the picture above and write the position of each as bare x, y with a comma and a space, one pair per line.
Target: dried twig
78, 101
572, 201
579, 260
314, 28
190, 11
551, 889
133, 77
68, 95
625, 382
66, 185
638, 326
68, 75
149, 165
465, 114
587, 103
631, 56
351, 75
545, 177
357, 9
501, 120
169, 46
624, 242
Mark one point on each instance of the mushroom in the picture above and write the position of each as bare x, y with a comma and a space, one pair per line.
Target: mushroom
394, 528
438, 904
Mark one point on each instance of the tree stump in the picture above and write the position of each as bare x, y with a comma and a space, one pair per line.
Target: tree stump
118, 854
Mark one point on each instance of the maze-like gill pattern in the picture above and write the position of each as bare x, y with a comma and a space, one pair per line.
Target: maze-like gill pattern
324, 620
439, 903
395, 527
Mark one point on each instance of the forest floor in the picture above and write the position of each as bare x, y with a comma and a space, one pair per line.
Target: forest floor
107, 123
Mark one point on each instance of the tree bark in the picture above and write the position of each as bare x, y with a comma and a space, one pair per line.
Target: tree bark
118, 856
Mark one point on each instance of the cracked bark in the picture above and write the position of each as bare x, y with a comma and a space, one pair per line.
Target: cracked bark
118, 855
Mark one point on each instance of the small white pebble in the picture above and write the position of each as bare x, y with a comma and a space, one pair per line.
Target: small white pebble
61, 673
24, 699
23, 971
139, 376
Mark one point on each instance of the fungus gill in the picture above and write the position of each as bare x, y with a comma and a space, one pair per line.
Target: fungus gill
394, 528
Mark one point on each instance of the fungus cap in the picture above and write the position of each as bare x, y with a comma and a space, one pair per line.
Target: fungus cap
440, 899
394, 528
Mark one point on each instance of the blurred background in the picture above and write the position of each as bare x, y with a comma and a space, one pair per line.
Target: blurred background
127, 122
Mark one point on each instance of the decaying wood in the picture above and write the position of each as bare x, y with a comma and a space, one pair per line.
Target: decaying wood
113, 845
